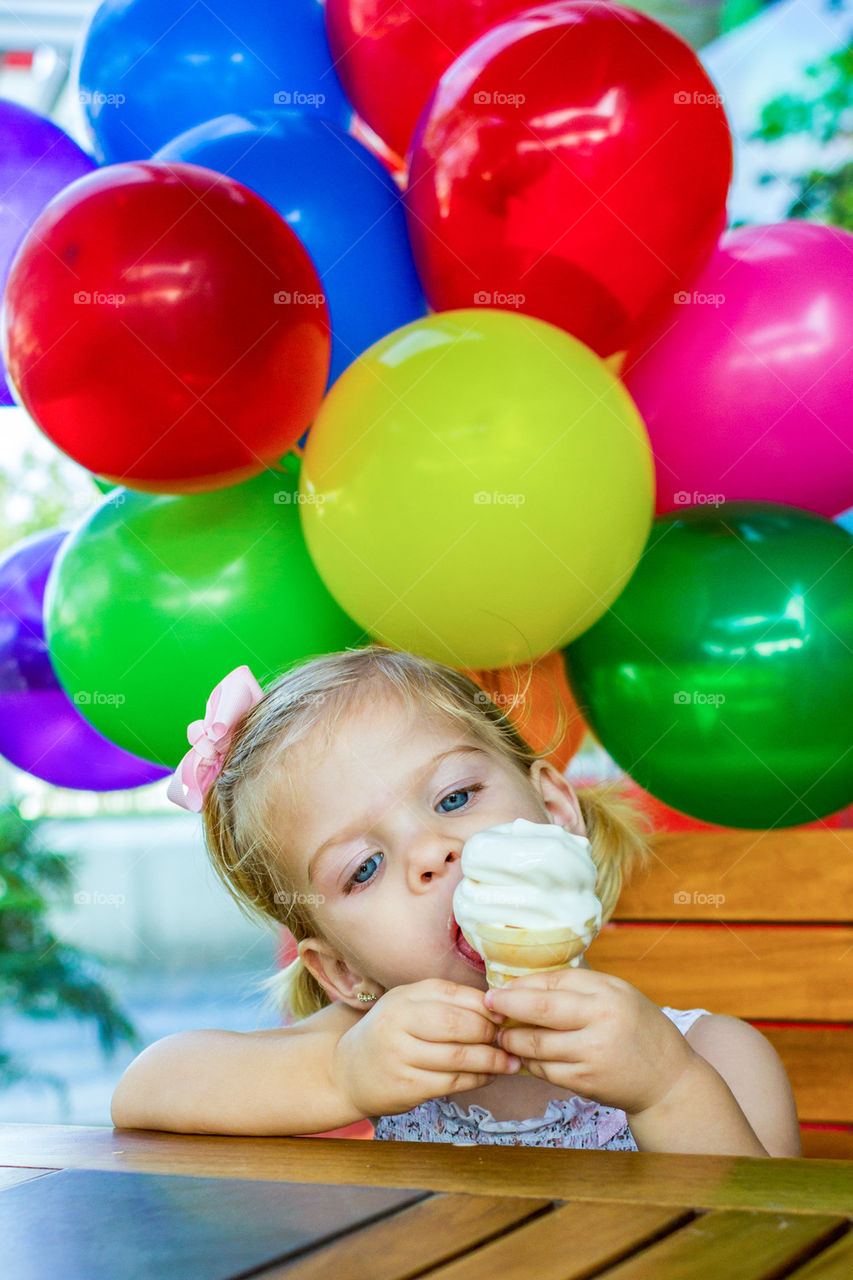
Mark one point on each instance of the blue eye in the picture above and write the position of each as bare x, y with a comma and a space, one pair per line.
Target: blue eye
466, 791
357, 878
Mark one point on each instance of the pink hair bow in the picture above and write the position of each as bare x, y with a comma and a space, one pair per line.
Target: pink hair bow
211, 737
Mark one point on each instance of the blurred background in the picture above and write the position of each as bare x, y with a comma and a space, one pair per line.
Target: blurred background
129, 936
158, 935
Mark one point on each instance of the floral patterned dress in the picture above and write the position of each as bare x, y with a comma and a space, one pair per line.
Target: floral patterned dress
567, 1122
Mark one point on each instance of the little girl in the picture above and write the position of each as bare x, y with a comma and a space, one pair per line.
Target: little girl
337, 802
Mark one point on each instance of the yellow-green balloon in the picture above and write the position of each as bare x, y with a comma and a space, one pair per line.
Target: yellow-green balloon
477, 487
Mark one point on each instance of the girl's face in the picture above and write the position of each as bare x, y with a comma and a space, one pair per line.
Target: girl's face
375, 827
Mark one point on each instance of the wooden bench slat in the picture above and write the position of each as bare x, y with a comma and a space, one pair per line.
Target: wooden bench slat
757, 924
779, 973
574, 1240
819, 1063
789, 875
827, 1144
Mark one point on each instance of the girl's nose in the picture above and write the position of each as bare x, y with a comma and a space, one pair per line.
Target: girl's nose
432, 858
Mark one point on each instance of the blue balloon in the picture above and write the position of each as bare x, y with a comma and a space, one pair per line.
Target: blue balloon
150, 69
340, 201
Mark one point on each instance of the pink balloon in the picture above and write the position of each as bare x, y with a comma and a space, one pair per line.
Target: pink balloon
745, 390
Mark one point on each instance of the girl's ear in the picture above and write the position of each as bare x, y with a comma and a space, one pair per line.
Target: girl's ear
333, 974
558, 796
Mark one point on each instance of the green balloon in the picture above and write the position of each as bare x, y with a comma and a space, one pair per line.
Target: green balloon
721, 679
155, 597
733, 13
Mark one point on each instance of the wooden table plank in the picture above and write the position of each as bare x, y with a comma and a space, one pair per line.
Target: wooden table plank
415, 1239
575, 1240
751, 1246
713, 1182
90, 1225
835, 1263
11, 1177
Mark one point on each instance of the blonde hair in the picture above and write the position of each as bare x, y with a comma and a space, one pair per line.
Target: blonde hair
245, 847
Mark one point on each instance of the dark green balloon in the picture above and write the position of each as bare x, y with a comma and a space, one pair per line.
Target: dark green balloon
721, 679
154, 598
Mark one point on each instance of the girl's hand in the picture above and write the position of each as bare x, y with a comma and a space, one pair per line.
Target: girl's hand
421, 1040
594, 1034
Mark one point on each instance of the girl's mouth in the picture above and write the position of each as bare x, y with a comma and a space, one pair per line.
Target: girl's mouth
466, 951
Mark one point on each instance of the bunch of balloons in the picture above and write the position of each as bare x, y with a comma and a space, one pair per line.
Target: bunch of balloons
415, 355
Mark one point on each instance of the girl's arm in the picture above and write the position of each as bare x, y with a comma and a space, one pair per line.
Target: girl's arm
255, 1083
422, 1040
733, 1099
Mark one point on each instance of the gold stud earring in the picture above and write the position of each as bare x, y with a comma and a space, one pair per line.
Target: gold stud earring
362, 995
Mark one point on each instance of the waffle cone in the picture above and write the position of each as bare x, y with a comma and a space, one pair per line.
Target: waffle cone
513, 952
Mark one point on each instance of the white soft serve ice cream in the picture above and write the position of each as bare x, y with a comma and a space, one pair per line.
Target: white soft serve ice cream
527, 875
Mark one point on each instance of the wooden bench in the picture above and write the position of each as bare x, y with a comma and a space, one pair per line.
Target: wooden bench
757, 924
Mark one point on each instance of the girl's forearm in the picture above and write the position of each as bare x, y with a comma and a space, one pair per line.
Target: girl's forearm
233, 1082
700, 1115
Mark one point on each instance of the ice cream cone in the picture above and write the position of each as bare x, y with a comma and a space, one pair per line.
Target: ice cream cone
511, 952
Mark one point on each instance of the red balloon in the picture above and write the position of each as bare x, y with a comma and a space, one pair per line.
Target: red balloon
665, 818
573, 164
390, 54
165, 328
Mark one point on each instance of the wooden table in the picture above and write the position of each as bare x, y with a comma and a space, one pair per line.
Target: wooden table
98, 1203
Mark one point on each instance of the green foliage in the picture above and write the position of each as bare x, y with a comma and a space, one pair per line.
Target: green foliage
822, 195
35, 496
40, 975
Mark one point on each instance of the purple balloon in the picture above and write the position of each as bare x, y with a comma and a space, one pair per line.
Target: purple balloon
41, 731
37, 159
